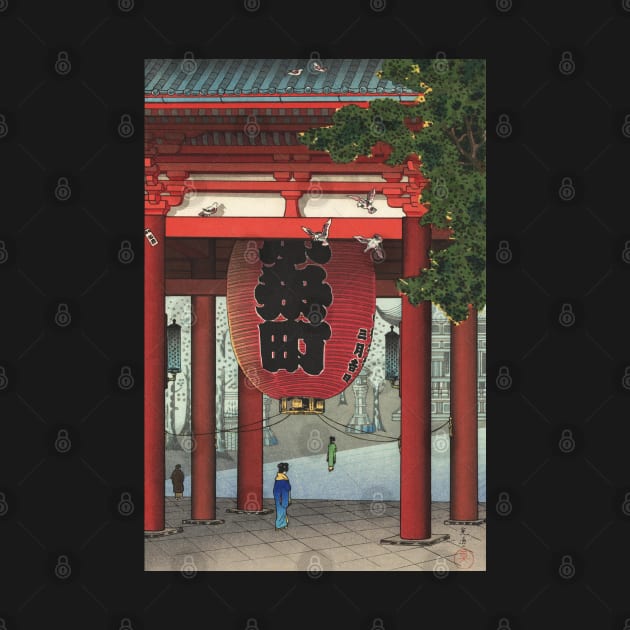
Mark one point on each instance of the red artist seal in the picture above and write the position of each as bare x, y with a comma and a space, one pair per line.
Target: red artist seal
464, 558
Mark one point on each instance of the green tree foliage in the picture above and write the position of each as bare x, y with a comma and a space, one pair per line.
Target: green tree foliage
452, 149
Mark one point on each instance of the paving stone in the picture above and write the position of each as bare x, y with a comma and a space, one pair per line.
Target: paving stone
259, 551
331, 528
348, 538
289, 546
320, 542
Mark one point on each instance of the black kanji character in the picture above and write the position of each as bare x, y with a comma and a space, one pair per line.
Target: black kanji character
279, 346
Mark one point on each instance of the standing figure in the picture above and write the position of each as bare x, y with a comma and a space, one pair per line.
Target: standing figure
282, 496
177, 477
331, 458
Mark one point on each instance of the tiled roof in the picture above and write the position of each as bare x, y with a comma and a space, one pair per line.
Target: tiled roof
246, 80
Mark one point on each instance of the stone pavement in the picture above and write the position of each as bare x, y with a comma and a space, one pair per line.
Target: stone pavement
322, 536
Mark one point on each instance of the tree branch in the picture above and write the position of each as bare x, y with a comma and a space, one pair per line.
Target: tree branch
457, 141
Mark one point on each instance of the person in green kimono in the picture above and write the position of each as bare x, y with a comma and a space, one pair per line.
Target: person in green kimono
331, 457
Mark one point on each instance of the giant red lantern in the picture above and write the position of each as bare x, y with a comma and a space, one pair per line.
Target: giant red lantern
301, 314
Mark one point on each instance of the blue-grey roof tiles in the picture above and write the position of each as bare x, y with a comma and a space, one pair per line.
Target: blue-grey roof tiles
243, 80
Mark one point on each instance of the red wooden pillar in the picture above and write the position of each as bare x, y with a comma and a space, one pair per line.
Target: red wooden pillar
464, 452
154, 373
203, 477
415, 390
250, 446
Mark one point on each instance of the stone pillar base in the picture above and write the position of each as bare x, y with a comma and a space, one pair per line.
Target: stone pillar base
397, 540
237, 511
168, 531
480, 521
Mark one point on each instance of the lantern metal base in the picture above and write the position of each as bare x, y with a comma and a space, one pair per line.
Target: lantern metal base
302, 404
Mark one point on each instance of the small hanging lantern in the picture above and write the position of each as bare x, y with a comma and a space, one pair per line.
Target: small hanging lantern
392, 354
302, 405
174, 350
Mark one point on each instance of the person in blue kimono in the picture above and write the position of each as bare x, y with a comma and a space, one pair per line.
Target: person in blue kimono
282, 496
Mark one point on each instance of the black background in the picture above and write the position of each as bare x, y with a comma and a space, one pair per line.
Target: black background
567, 257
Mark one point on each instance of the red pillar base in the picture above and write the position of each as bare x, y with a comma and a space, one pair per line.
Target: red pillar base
424, 542
164, 532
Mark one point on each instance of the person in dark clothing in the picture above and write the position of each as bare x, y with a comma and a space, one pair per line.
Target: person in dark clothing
177, 477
